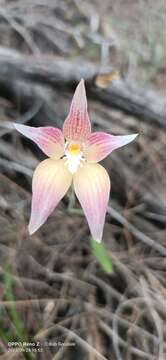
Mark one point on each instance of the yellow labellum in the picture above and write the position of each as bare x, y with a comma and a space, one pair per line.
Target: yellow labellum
74, 149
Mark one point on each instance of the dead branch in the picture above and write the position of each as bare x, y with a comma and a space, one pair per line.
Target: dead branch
60, 73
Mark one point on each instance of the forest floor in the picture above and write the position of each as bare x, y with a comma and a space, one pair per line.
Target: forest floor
52, 288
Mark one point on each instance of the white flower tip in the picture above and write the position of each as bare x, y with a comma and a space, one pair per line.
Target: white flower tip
31, 231
98, 240
97, 237
81, 85
82, 82
18, 126
79, 98
126, 139
35, 223
32, 228
134, 136
15, 125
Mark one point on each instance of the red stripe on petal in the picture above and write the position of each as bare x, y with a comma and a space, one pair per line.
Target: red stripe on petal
49, 139
100, 144
77, 125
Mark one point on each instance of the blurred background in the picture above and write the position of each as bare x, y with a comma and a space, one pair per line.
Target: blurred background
53, 291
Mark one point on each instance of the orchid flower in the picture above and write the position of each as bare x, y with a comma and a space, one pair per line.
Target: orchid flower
73, 154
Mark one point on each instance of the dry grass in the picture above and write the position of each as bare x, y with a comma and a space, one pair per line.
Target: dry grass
59, 292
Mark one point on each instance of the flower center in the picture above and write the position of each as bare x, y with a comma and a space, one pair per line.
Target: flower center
74, 149
73, 156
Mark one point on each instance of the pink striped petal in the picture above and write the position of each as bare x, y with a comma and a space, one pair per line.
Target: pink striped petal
92, 188
51, 181
49, 139
100, 145
77, 125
